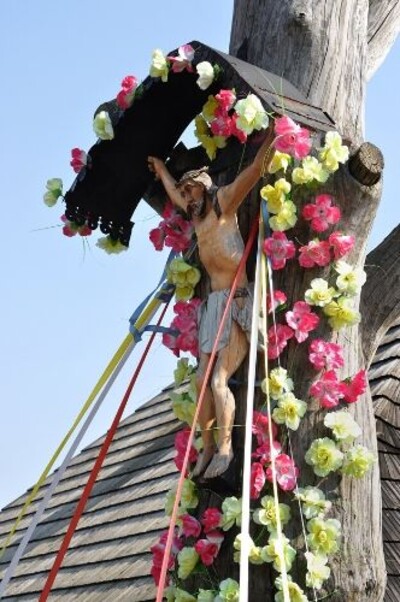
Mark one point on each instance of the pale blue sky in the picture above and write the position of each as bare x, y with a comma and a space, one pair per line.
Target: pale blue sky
66, 311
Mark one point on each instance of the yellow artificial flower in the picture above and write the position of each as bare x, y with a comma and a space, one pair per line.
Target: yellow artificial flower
323, 535
251, 114
334, 152
201, 127
320, 293
209, 108
206, 75
279, 161
279, 383
311, 169
110, 246
289, 411
187, 560
270, 552
317, 571
341, 313
54, 191
285, 219
102, 126
276, 195
267, 514
358, 461
159, 65
296, 594
211, 144
350, 279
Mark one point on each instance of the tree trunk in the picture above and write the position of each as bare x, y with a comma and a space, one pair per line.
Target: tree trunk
322, 47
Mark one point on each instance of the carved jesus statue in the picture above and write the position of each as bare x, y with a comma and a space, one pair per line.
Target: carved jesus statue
213, 212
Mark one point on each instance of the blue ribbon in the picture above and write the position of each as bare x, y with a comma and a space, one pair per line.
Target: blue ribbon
164, 294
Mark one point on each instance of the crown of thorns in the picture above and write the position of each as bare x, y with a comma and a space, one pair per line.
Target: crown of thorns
196, 175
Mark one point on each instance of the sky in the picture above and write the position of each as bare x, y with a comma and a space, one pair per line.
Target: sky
65, 306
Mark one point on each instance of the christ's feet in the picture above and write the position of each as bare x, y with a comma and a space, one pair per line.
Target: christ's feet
203, 460
219, 464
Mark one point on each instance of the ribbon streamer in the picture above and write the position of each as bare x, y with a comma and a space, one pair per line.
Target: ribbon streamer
95, 471
245, 530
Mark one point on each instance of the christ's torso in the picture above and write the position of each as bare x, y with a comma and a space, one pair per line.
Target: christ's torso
220, 248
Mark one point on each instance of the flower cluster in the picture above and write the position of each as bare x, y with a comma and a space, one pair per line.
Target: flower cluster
173, 231
223, 116
71, 229
183, 336
184, 276
161, 65
285, 470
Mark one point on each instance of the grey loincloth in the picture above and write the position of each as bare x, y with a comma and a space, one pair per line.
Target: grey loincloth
210, 315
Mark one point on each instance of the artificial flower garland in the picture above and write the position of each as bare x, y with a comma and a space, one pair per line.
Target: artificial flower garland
331, 300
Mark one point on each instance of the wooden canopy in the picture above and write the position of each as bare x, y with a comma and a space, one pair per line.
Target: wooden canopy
108, 193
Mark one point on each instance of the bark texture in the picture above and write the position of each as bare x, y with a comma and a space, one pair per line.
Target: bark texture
383, 27
324, 48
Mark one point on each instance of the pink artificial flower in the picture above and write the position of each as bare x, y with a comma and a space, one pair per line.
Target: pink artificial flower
125, 95
341, 244
174, 231
277, 300
216, 537
79, 159
221, 125
170, 341
301, 320
279, 249
190, 526
157, 237
185, 332
178, 234
257, 480
184, 323
316, 252
207, 551
237, 132
226, 99
181, 443
322, 213
326, 356
211, 519
261, 426
183, 60
158, 551
263, 452
277, 340
170, 212
291, 138
355, 386
189, 308
286, 472
70, 229
189, 342
327, 390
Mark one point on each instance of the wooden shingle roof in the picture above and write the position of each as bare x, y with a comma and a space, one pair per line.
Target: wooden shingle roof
109, 557
384, 377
